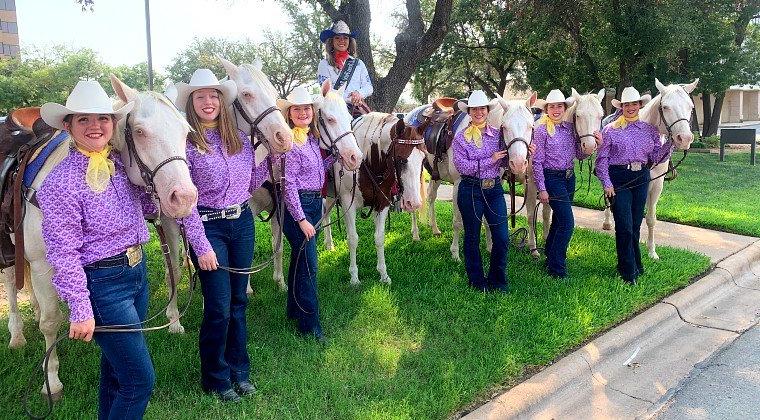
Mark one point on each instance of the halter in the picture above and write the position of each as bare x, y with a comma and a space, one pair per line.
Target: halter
146, 173
578, 136
669, 127
254, 124
332, 147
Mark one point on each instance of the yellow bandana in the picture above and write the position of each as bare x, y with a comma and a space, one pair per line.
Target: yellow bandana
474, 134
300, 134
100, 169
622, 121
212, 124
550, 124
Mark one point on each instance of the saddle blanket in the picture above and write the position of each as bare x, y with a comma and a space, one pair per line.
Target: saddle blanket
33, 168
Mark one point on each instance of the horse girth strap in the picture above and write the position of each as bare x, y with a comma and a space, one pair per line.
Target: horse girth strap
376, 179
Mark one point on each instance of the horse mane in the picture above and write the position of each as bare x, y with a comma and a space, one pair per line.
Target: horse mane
371, 129
258, 77
118, 136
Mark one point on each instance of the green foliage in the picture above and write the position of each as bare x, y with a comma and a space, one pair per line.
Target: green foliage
424, 347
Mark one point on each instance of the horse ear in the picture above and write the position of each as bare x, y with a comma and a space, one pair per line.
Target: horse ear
600, 95
326, 87
529, 103
124, 92
659, 85
691, 86
258, 64
574, 93
229, 67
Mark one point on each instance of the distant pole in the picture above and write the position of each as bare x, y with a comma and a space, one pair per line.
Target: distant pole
150, 54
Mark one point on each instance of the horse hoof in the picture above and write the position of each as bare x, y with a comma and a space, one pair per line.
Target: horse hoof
535, 254
415, 237
606, 226
653, 255
385, 280
456, 257
176, 328
437, 234
330, 247
17, 342
355, 282
55, 395
282, 286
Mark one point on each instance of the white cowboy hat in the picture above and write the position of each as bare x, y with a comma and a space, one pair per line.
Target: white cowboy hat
630, 94
87, 97
554, 97
205, 79
477, 98
298, 96
338, 28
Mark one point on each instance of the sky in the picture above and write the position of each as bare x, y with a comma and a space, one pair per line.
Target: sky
116, 28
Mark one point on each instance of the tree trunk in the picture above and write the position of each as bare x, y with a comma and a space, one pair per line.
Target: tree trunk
706, 113
717, 108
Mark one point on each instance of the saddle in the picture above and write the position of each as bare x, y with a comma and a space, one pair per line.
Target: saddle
20, 136
440, 133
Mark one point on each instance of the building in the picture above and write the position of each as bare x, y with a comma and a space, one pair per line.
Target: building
9, 45
740, 105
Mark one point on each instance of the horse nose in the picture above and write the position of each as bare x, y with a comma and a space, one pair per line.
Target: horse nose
181, 200
683, 140
518, 166
411, 205
352, 160
283, 140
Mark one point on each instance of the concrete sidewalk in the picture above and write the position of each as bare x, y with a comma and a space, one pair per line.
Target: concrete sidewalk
716, 245
665, 361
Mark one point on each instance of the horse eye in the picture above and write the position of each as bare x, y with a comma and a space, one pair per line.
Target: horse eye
140, 132
331, 120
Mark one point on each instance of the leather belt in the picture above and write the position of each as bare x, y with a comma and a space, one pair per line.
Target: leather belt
567, 173
132, 256
633, 166
232, 212
485, 184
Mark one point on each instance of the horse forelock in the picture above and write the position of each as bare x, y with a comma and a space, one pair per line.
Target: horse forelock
253, 76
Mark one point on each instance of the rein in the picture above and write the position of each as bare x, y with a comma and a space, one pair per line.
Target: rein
254, 123
146, 173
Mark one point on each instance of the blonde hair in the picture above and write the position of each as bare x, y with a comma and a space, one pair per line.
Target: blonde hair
330, 50
230, 138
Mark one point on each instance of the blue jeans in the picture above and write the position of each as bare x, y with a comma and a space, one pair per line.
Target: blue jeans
474, 204
223, 336
561, 191
627, 207
119, 296
303, 304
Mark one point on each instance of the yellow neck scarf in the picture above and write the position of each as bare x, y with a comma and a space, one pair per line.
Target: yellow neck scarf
100, 169
550, 124
212, 124
623, 121
474, 134
300, 134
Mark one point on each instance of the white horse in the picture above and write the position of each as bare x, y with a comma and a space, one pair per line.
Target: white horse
586, 113
516, 124
376, 129
256, 95
670, 111
159, 133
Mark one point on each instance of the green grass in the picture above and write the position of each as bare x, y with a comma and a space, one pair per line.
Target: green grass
715, 195
424, 347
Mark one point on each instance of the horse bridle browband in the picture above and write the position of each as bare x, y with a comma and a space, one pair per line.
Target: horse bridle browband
148, 175
332, 147
254, 123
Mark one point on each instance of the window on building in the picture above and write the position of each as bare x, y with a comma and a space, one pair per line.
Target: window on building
7, 4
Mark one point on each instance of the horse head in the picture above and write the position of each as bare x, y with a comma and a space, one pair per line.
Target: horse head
335, 126
407, 151
159, 133
671, 112
516, 123
586, 113
257, 97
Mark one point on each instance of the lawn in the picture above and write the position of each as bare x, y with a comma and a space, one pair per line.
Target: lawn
426, 346
707, 193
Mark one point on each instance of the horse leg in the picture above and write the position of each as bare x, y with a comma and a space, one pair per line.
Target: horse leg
655, 190
277, 250
607, 225
175, 247
457, 224
327, 230
50, 320
432, 195
530, 211
380, 218
415, 228
546, 213
353, 243
15, 323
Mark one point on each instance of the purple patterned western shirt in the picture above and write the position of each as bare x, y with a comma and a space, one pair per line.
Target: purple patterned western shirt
554, 152
474, 161
80, 226
304, 170
222, 181
637, 142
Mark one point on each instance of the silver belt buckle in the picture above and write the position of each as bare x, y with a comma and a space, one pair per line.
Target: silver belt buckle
635, 166
568, 173
488, 183
134, 255
232, 212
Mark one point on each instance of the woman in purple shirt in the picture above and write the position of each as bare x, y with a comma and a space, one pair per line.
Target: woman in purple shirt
478, 156
629, 149
305, 171
220, 230
93, 226
556, 148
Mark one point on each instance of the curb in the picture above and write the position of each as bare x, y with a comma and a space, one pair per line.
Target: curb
602, 379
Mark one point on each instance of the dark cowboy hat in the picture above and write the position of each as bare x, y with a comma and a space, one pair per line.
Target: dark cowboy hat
338, 28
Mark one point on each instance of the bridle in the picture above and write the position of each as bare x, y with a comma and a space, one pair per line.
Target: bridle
332, 147
578, 137
254, 123
148, 175
399, 161
669, 127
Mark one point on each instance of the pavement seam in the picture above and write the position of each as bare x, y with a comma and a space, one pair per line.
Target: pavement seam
607, 385
678, 310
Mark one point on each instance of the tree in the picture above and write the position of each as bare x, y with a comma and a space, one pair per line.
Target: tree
413, 44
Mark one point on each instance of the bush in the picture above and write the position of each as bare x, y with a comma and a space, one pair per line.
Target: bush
697, 145
711, 141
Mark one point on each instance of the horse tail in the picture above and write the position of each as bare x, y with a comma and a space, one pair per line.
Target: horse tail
422, 213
